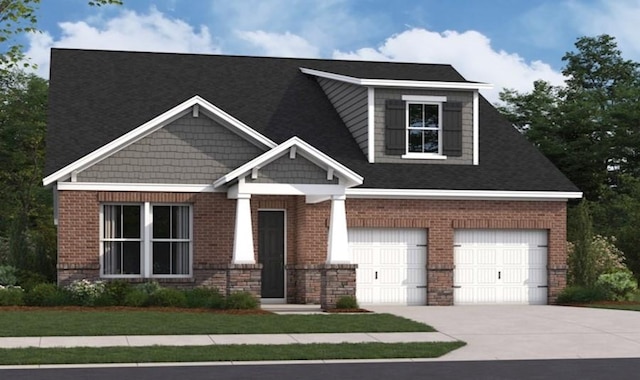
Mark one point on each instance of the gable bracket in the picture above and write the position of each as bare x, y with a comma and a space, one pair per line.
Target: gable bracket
330, 174
254, 172
292, 152
195, 110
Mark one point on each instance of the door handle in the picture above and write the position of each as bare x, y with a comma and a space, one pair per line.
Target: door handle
499, 275
376, 275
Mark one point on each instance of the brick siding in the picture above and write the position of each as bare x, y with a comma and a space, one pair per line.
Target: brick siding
306, 235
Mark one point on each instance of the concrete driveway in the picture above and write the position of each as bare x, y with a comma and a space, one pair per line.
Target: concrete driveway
530, 332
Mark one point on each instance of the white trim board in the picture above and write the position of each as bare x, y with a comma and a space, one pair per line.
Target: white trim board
152, 126
150, 187
398, 82
462, 194
306, 150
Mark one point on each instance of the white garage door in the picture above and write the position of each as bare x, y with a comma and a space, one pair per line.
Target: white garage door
391, 265
500, 267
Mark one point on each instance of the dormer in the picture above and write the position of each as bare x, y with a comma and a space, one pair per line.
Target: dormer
405, 120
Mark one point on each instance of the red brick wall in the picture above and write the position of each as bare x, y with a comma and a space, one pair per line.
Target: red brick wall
307, 229
441, 218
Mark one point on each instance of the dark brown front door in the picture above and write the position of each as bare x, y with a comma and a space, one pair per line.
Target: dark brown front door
271, 252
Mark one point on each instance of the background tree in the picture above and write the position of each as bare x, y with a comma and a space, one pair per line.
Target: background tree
18, 17
590, 129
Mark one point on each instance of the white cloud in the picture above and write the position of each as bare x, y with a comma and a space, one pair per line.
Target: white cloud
469, 52
617, 18
280, 45
128, 31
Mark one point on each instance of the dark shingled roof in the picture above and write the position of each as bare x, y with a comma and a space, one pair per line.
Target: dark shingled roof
97, 96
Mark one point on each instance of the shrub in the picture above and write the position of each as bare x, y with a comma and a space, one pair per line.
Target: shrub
47, 295
205, 297
581, 294
84, 292
149, 287
115, 293
168, 297
8, 275
11, 296
347, 302
241, 300
136, 298
28, 279
618, 286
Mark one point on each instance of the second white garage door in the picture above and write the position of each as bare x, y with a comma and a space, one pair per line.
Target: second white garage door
391, 265
500, 267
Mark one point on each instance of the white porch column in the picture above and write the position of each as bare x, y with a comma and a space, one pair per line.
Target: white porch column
243, 237
338, 245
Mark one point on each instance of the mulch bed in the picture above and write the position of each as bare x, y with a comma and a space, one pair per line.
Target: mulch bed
347, 311
126, 308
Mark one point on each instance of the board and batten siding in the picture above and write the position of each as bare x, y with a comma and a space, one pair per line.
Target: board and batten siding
464, 97
350, 101
187, 151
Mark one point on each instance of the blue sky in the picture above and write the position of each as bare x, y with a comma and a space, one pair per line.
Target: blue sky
509, 43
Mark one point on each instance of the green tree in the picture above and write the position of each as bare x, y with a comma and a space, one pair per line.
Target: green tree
18, 17
26, 223
589, 128
582, 260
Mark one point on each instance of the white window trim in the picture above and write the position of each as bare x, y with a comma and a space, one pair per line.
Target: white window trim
103, 240
422, 99
146, 239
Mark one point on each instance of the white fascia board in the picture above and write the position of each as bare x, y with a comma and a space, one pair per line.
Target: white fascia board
371, 125
398, 82
150, 127
463, 194
290, 189
308, 151
151, 187
476, 128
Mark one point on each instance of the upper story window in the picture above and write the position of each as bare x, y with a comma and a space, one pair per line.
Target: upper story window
145, 240
423, 127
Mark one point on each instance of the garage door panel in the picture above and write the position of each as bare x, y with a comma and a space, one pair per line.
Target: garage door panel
500, 266
398, 256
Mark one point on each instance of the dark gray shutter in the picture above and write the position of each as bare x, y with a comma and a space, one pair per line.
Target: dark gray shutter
452, 129
395, 127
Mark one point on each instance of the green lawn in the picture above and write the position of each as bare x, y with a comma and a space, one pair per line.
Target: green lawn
92, 322
24, 356
618, 306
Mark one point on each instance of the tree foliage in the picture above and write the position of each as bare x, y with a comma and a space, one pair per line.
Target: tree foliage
26, 224
590, 129
18, 17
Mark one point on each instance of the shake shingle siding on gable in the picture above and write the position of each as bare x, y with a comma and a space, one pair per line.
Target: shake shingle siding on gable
350, 101
466, 98
297, 171
189, 151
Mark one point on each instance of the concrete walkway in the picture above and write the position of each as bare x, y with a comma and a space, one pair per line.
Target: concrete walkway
531, 332
221, 339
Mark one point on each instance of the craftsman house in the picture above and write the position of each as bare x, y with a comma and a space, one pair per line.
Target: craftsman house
299, 180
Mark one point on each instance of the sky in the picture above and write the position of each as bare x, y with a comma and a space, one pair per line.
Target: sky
508, 43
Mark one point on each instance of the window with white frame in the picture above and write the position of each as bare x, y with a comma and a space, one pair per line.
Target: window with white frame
145, 240
424, 127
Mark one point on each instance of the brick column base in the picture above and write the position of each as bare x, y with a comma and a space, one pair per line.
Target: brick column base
336, 280
308, 280
244, 278
557, 282
440, 285
67, 273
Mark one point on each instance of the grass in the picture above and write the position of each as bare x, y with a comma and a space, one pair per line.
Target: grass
95, 322
617, 306
24, 356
